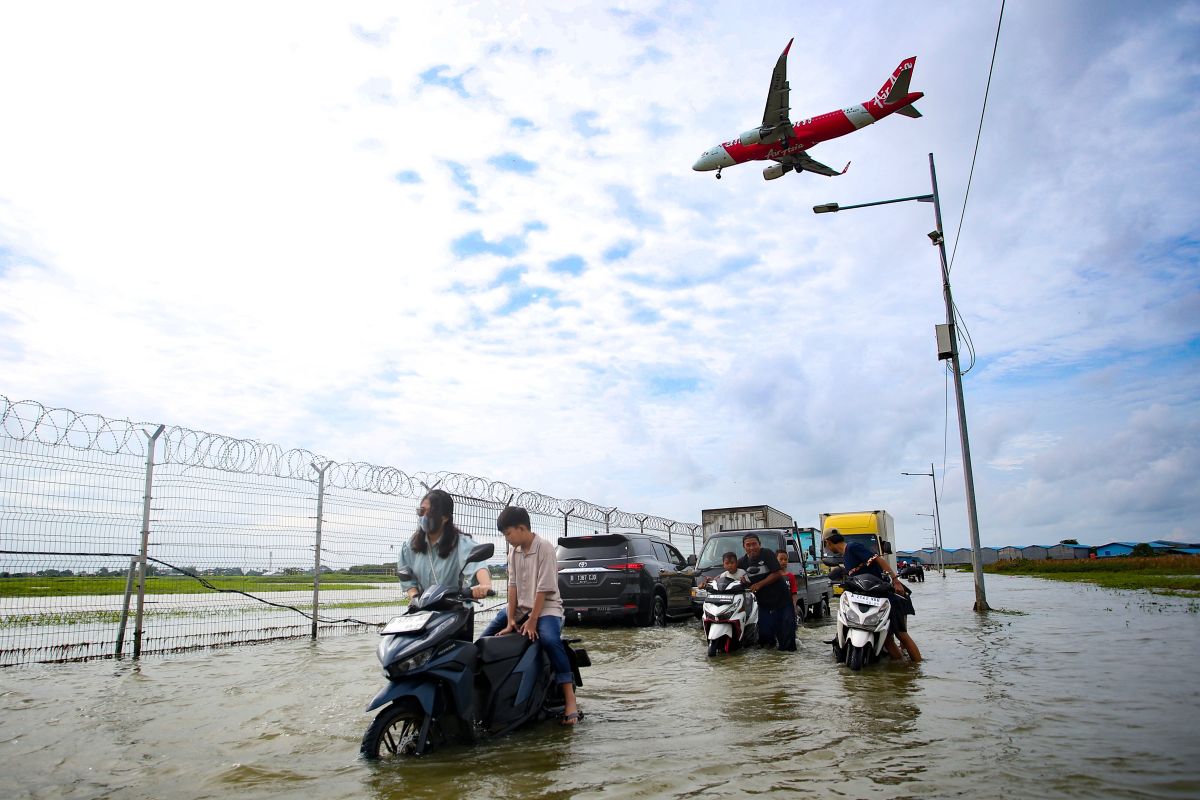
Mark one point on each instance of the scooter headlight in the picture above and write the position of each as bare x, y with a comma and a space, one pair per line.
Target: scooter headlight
401, 668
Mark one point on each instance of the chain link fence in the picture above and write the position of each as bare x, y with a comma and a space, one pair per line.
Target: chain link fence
129, 538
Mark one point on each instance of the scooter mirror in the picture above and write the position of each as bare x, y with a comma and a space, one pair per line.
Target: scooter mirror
481, 552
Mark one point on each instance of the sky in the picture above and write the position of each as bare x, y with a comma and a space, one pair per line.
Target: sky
467, 237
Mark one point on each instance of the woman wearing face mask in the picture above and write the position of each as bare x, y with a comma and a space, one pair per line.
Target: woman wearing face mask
437, 552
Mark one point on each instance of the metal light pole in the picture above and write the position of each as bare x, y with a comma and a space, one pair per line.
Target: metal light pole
939, 239
937, 517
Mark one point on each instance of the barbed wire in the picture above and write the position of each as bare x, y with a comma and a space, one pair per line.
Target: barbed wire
30, 421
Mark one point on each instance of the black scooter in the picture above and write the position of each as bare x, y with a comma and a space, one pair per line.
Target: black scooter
444, 688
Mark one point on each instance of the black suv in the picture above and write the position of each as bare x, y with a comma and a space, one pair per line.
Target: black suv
622, 576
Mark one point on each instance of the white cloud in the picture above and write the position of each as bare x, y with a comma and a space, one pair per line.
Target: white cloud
200, 223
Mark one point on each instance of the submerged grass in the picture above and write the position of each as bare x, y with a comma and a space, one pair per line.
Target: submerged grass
70, 585
1170, 575
97, 617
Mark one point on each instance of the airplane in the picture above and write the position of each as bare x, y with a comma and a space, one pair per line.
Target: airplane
778, 140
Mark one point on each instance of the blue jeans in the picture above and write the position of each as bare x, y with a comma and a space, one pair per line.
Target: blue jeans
549, 631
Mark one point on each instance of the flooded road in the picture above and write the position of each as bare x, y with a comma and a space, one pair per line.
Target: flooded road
1069, 691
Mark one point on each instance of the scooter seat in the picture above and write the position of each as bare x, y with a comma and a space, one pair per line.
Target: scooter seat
498, 648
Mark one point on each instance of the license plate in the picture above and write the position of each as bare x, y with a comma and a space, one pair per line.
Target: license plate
868, 601
407, 623
583, 578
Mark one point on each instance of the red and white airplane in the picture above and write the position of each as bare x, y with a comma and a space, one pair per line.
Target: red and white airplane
787, 144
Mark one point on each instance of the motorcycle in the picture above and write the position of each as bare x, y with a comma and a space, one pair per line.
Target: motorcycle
730, 617
444, 688
862, 620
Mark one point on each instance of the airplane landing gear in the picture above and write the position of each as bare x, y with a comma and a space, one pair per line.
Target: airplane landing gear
718, 173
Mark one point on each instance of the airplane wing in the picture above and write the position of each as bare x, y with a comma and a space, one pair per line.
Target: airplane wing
776, 112
803, 162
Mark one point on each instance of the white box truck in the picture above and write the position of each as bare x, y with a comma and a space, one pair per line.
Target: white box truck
742, 518
875, 529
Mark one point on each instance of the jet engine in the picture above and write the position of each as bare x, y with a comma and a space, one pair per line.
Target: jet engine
776, 171
754, 137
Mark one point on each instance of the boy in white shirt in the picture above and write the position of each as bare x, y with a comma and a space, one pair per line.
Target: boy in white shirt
732, 574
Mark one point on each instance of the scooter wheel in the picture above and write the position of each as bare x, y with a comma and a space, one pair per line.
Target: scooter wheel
854, 657
712, 649
394, 733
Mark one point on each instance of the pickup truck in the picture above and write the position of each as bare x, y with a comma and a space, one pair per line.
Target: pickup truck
815, 588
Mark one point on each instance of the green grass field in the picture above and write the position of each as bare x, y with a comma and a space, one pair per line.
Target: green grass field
1175, 575
178, 584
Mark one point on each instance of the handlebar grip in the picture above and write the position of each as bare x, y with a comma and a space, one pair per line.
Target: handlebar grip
491, 592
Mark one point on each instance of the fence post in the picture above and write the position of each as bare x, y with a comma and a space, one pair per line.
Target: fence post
641, 523
317, 549
133, 563
692, 527
566, 516
608, 516
141, 600
670, 528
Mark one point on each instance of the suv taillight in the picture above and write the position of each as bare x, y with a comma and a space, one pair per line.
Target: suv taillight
632, 566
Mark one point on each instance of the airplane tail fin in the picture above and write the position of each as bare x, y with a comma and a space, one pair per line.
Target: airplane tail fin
909, 111
896, 86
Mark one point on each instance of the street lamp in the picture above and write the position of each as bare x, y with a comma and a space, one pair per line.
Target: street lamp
939, 239
937, 516
936, 542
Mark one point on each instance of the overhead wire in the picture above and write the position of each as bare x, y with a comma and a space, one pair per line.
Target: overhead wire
958, 318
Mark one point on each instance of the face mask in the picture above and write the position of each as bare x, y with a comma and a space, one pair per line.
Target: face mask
427, 524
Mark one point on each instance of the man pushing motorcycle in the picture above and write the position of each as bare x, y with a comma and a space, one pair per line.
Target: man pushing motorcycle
858, 558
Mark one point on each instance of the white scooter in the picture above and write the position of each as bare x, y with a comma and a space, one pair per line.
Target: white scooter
862, 621
730, 616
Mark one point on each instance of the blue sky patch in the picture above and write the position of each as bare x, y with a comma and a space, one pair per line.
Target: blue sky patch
618, 251
509, 276
651, 55
440, 76
672, 384
581, 121
570, 265
462, 178
407, 176
511, 162
473, 244
521, 124
523, 296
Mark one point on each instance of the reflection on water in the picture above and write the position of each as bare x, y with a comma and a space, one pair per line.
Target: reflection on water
1065, 692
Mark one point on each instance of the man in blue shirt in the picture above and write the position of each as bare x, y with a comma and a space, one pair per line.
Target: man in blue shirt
858, 558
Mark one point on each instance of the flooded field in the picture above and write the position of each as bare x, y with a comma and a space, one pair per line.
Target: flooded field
1068, 691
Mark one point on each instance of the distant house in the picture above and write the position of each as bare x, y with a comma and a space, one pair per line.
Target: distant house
1069, 551
1035, 552
1182, 548
1125, 548
1010, 553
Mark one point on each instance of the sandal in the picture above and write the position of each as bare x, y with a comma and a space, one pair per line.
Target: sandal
568, 720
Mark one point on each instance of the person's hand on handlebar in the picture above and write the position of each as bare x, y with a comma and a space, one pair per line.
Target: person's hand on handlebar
481, 591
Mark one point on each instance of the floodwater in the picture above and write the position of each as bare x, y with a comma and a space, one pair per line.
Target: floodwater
1068, 691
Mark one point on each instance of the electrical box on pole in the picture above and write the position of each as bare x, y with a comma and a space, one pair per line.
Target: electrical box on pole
945, 341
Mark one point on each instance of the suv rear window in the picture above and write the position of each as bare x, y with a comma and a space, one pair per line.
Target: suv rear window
592, 547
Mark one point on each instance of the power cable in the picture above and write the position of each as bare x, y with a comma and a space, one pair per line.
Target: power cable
978, 136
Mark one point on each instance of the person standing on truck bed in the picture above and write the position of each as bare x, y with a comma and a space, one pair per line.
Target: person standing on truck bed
857, 558
775, 625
